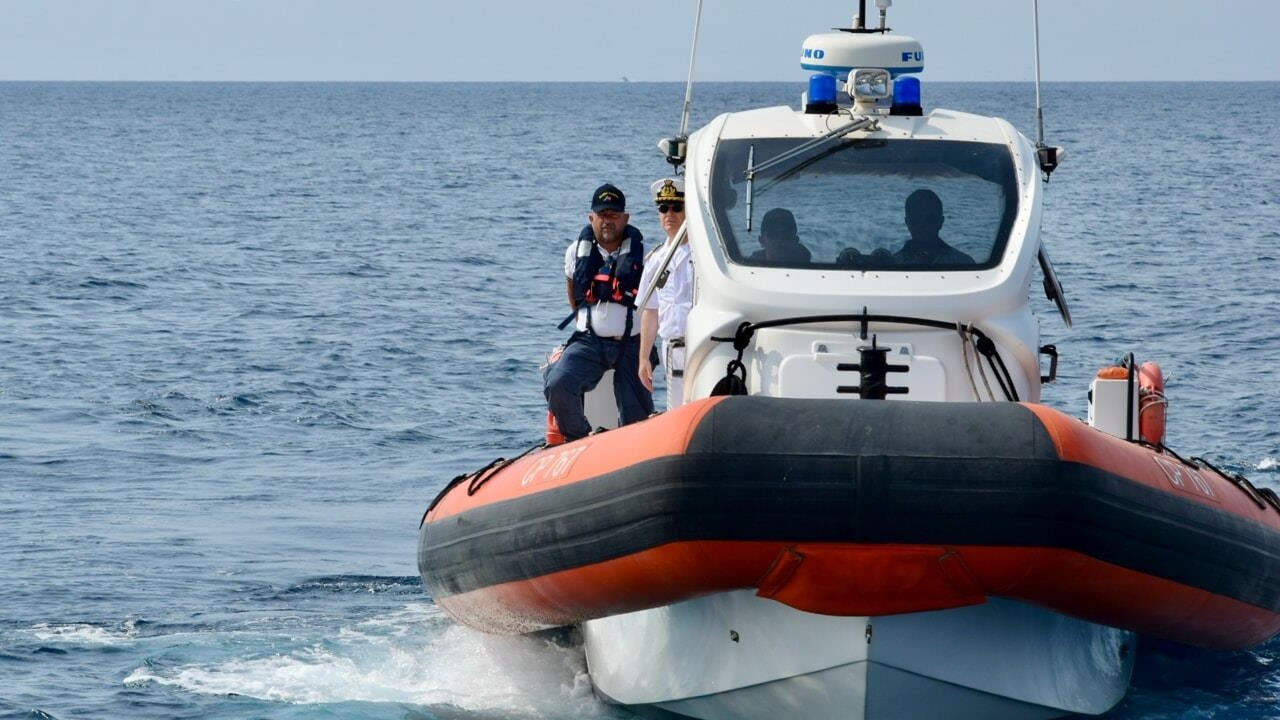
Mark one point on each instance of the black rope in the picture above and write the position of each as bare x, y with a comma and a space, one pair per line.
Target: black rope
449, 486
987, 348
486, 473
1245, 486
477, 478
1272, 498
734, 381
1256, 494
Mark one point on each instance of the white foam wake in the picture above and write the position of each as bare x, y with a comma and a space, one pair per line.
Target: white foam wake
85, 635
405, 658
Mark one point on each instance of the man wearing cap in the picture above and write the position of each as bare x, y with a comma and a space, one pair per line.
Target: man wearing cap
602, 271
668, 307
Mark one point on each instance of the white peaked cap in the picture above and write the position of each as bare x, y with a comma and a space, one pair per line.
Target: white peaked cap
667, 190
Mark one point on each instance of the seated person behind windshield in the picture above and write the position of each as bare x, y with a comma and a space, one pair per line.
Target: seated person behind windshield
924, 220
778, 240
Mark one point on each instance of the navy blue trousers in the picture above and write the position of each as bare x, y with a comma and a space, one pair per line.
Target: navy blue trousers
578, 371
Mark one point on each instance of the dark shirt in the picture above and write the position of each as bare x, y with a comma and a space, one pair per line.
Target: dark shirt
939, 253
787, 254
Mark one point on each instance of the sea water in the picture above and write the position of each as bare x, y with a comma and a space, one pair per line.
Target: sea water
247, 332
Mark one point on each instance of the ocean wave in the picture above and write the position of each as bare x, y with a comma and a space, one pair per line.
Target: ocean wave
85, 635
352, 584
366, 270
407, 436
152, 409
32, 714
226, 404
96, 282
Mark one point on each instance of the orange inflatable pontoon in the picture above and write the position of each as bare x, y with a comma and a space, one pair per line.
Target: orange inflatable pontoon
859, 508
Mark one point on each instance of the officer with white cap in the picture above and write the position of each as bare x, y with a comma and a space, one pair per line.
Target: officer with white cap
668, 308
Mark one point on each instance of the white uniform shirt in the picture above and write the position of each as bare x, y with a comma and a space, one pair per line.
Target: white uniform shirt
675, 297
608, 319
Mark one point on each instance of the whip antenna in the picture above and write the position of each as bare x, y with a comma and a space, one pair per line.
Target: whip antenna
675, 147
1047, 155
688, 86
1035, 23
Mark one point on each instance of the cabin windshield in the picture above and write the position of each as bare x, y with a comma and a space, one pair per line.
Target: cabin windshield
866, 204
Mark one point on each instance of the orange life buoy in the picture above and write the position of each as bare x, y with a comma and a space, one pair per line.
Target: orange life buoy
1151, 403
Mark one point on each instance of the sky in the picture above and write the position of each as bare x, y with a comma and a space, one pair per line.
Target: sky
599, 40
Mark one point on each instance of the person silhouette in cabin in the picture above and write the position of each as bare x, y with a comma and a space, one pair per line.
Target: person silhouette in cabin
668, 308
779, 243
602, 271
924, 219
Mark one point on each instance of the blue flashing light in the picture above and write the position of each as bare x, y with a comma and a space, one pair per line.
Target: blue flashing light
822, 89
906, 91
906, 97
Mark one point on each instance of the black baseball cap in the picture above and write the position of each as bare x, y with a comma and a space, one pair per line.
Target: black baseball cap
608, 197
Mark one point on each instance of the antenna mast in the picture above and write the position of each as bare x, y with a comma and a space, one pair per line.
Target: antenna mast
675, 147
1047, 155
688, 87
1035, 20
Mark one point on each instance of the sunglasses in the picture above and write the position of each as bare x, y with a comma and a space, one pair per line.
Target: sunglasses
665, 208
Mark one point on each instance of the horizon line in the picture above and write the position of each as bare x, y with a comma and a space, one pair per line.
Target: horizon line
620, 81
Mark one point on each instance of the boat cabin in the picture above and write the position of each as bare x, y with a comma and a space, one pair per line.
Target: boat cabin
912, 234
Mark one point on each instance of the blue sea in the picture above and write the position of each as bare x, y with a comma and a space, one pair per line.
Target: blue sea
248, 331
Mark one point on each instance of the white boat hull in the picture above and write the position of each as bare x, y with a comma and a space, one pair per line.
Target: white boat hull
735, 655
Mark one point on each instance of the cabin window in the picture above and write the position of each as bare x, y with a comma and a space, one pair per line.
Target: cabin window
845, 205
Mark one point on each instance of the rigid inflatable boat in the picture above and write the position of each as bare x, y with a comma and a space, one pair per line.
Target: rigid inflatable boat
863, 510
860, 509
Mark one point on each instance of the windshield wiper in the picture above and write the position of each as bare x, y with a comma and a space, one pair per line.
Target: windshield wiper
815, 143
